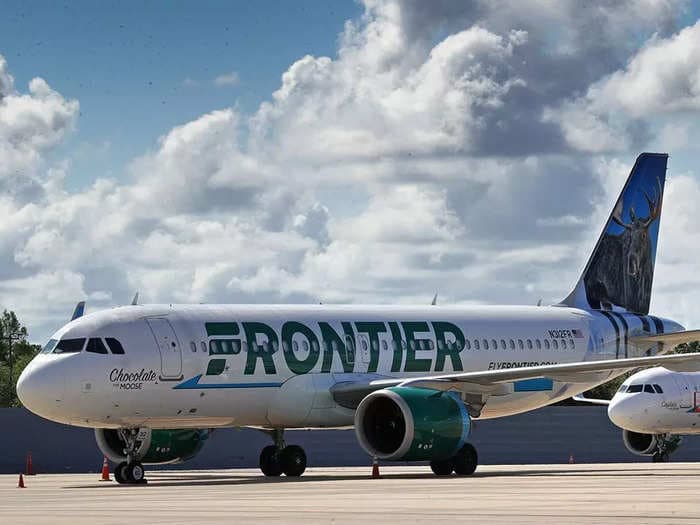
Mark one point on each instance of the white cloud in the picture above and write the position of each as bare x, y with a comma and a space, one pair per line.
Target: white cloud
227, 79
416, 160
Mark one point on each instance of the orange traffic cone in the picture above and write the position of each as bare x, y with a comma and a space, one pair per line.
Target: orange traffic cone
20, 485
375, 468
105, 470
29, 471
571, 459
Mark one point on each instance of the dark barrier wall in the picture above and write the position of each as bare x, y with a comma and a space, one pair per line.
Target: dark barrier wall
548, 435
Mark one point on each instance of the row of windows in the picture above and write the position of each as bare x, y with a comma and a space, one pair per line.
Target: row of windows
94, 345
234, 346
634, 389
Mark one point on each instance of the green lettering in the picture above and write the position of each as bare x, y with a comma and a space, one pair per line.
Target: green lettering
398, 350
255, 351
448, 349
332, 342
221, 329
296, 365
414, 364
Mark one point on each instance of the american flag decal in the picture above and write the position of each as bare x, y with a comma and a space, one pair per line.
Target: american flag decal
578, 334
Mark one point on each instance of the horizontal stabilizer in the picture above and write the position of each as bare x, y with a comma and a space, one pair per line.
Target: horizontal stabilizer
670, 339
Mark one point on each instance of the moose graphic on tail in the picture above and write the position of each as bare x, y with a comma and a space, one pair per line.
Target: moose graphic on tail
621, 273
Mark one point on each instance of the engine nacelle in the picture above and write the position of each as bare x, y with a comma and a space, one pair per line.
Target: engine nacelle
411, 424
153, 446
640, 444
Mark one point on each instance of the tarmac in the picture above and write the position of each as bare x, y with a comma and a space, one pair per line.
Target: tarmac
579, 493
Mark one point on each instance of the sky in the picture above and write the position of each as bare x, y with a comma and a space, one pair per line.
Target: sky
376, 151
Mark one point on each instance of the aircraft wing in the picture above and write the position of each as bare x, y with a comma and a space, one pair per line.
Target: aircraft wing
671, 338
495, 382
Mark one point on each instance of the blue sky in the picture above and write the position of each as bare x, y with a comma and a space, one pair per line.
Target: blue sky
128, 63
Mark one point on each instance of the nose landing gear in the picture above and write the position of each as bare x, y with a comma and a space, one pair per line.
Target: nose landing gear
280, 458
130, 471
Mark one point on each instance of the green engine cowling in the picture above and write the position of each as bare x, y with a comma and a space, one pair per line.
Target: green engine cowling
154, 447
412, 424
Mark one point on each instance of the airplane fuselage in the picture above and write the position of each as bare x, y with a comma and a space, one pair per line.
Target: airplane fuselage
274, 366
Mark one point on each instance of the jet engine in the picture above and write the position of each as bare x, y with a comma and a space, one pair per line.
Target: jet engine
411, 424
640, 444
153, 446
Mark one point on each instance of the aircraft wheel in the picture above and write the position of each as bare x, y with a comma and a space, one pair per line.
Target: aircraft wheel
293, 460
442, 467
466, 460
119, 473
134, 473
270, 462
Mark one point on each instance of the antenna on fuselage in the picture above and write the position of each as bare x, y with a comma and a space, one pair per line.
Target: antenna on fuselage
135, 300
78, 311
434, 301
539, 303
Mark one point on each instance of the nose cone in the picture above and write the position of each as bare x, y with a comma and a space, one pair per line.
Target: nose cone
40, 388
627, 411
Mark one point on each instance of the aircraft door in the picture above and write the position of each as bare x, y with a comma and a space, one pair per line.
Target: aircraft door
686, 391
363, 348
169, 348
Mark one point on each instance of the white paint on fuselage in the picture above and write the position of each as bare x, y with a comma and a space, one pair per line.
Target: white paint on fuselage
675, 411
80, 389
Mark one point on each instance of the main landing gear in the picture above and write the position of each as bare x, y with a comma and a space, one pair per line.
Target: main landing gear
130, 471
280, 458
463, 463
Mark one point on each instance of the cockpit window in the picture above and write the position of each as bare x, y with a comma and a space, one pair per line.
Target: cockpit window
622, 389
69, 346
48, 347
114, 345
658, 389
633, 389
96, 346
649, 389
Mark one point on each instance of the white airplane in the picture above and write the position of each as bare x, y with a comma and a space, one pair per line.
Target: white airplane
152, 380
653, 408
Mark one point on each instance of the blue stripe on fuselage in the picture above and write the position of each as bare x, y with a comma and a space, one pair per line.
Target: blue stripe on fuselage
194, 383
540, 384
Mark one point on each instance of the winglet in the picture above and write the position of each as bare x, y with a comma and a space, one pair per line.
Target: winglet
79, 310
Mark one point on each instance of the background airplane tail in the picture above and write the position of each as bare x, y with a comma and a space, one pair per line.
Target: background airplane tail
620, 271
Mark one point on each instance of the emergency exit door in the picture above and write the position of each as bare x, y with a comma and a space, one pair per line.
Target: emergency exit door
169, 348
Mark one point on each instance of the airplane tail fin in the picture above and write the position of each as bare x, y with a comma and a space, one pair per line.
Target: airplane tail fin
620, 271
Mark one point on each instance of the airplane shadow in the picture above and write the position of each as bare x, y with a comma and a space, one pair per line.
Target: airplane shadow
157, 479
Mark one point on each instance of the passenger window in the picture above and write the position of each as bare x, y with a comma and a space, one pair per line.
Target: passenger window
236, 345
554, 344
503, 344
571, 344
649, 389
633, 389
69, 346
244, 345
563, 344
658, 389
520, 344
193, 346
494, 344
476, 344
529, 344
546, 344
96, 346
538, 345
512, 344
216, 367
485, 344
431, 345
364, 344
385, 346
467, 344
295, 346
305, 346
314, 345
203, 346
114, 345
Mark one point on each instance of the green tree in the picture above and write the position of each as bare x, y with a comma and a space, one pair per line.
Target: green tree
15, 353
